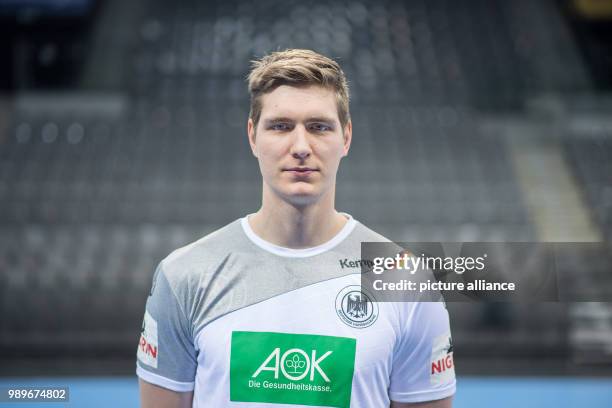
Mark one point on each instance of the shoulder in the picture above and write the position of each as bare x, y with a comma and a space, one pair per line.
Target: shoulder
196, 258
360, 234
366, 234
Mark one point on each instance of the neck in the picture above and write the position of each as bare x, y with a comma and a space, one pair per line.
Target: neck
296, 226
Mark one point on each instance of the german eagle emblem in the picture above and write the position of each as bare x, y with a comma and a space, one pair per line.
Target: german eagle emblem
357, 306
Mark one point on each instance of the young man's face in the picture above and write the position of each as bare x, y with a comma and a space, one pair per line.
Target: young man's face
299, 142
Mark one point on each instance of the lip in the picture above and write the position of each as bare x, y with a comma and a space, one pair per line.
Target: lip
301, 170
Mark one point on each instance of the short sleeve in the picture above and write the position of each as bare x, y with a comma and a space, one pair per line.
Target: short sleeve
423, 368
166, 354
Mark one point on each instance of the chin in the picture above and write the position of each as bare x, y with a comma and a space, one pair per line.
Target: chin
302, 201
302, 196
298, 194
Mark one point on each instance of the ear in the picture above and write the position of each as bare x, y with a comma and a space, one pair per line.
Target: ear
348, 137
251, 135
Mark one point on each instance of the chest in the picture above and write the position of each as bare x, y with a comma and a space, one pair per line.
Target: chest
303, 334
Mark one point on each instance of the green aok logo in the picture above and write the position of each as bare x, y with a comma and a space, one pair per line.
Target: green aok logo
291, 368
294, 364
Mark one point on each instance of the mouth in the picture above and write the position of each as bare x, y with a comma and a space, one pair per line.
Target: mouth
301, 170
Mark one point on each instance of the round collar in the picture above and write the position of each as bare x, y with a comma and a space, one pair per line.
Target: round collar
301, 252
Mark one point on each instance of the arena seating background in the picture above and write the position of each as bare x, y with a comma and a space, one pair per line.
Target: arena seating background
122, 137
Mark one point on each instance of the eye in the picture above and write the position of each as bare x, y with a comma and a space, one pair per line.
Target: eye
280, 126
320, 127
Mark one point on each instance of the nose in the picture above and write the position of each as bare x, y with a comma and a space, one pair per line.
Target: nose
300, 149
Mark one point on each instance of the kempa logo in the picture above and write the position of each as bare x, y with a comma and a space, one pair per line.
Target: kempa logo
295, 364
356, 308
291, 368
355, 263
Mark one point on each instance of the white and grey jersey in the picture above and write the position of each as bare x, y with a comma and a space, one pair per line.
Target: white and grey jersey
245, 323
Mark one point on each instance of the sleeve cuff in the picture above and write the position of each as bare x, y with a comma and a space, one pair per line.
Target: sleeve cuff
163, 381
424, 395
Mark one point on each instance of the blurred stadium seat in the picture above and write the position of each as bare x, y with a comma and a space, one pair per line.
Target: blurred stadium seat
147, 152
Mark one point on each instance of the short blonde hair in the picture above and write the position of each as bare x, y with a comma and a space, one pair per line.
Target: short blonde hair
297, 67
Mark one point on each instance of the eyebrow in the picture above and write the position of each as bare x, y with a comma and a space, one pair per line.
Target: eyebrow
272, 121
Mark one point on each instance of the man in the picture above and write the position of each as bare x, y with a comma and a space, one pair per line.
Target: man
267, 310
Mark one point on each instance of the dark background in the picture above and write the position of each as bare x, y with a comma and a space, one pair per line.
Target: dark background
122, 137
